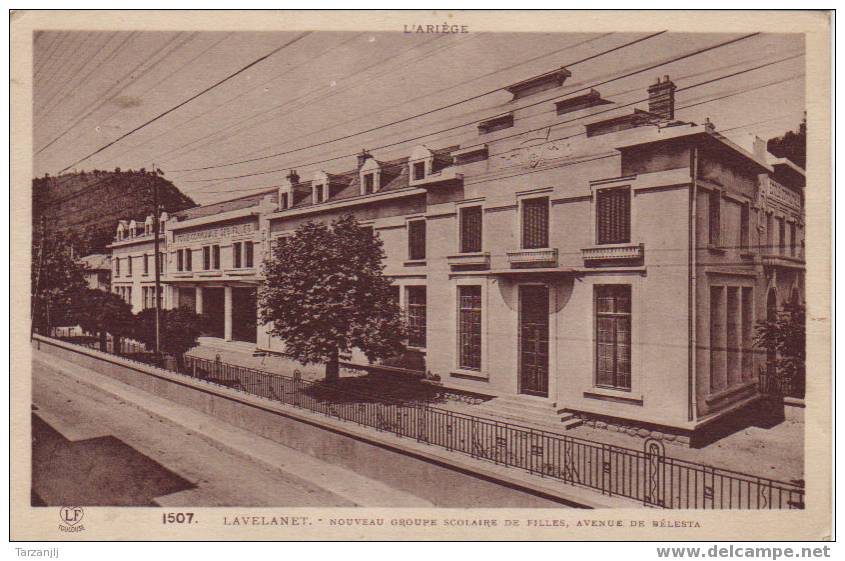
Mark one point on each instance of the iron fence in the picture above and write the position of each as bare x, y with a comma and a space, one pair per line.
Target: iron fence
648, 475
773, 383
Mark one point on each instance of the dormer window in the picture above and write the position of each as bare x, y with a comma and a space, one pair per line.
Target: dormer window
284, 200
419, 171
421, 163
370, 176
320, 187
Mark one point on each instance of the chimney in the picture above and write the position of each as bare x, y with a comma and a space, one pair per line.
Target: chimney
362, 157
293, 178
661, 98
760, 148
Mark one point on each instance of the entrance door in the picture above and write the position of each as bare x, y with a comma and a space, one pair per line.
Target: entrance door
534, 340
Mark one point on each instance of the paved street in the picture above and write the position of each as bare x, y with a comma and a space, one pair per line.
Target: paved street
93, 448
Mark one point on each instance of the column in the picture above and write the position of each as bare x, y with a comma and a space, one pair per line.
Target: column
227, 313
199, 300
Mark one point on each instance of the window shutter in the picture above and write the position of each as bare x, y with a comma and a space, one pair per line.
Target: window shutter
535, 223
416, 239
471, 229
613, 216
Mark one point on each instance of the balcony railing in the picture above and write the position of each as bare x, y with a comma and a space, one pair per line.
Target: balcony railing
545, 257
480, 260
613, 253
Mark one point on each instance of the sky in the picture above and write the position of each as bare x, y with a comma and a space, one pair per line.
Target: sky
90, 88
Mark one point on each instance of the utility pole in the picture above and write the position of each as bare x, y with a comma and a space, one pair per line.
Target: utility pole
156, 260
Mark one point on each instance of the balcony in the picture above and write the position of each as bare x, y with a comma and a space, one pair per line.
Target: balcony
525, 258
447, 176
612, 253
784, 261
479, 260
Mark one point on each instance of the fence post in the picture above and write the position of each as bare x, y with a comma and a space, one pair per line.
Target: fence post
654, 492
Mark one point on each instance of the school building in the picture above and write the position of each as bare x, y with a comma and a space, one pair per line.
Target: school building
612, 269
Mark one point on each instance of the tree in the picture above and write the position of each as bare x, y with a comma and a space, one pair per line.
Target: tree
792, 145
784, 337
179, 330
56, 280
101, 312
324, 293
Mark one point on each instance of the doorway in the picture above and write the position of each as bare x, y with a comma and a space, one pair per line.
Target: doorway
534, 340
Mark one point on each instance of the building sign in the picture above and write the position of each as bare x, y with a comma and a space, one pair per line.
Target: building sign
214, 233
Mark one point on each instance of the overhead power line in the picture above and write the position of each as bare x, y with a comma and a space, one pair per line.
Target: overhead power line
680, 108
674, 59
585, 88
190, 99
415, 116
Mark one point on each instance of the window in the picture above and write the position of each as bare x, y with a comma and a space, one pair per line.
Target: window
613, 216
416, 239
236, 255
744, 227
471, 229
215, 257
180, 259
718, 357
162, 264
792, 241
770, 232
189, 257
781, 236
318, 194
368, 183
146, 264
613, 336
416, 314
128, 295
206, 258
733, 333
747, 333
535, 223
284, 200
419, 171
249, 255
715, 219
117, 266
469, 327
129, 266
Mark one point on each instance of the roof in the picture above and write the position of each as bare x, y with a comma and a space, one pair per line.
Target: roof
224, 206
96, 262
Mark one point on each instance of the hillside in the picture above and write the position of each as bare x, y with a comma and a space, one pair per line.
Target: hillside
85, 207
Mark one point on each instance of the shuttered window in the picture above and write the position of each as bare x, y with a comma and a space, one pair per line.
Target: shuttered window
613, 216
613, 336
416, 239
249, 255
215, 256
146, 264
236, 255
416, 313
180, 263
469, 328
471, 229
535, 223
715, 203
206, 258
189, 255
